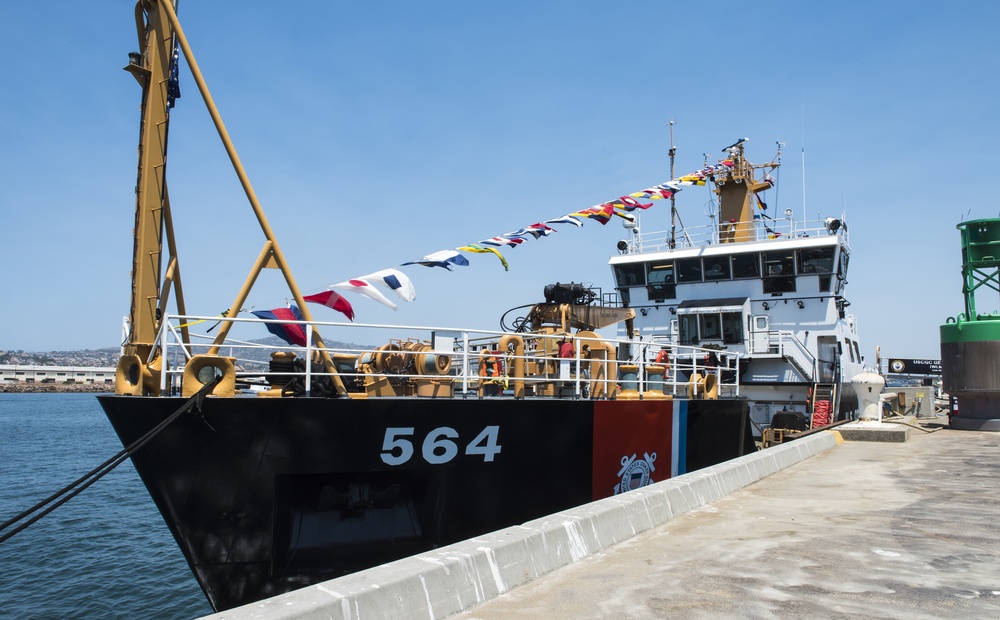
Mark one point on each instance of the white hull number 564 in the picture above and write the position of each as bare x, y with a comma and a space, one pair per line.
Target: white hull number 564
439, 446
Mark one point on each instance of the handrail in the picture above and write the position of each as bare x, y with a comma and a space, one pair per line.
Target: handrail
537, 354
708, 234
798, 351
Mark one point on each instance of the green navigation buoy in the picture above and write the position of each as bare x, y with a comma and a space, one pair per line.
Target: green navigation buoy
970, 342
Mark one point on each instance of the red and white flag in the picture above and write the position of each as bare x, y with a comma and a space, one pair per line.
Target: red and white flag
362, 287
331, 299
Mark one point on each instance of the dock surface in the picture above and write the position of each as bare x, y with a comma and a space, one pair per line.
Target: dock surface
875, 530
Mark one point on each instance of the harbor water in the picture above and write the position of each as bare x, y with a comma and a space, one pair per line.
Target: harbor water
107, 552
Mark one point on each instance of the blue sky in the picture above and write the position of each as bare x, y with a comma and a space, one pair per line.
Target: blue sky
376, 132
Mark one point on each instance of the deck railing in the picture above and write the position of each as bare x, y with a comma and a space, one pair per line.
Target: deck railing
709, 234
463, 348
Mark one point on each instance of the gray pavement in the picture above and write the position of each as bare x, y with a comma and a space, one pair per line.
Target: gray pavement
872, 530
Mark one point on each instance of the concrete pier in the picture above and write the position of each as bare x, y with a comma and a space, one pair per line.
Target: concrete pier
448, 580
869, 529
874, 529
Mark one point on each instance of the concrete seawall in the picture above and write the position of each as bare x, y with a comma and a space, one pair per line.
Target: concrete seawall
448, 580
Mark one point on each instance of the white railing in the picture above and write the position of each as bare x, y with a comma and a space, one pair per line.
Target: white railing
709, 234
462, 346
791, 348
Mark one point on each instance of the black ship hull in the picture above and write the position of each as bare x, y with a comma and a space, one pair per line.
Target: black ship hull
268, 495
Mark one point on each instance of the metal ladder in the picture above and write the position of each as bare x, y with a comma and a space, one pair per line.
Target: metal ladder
823, 392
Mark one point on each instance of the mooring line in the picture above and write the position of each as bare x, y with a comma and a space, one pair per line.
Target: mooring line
76, 487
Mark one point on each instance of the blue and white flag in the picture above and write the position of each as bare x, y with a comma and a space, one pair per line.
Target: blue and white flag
444, 258
566, 219
394, 280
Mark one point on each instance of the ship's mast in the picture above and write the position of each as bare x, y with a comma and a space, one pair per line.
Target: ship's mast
151, 68
673, 199
159, 33
736, 190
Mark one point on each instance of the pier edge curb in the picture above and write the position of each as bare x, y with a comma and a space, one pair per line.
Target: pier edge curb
452, 579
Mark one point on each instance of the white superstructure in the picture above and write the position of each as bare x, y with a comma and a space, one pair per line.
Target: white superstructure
770, 290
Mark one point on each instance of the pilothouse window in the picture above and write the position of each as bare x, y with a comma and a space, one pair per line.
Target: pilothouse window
779, 272
716, 267
689, 270
746, 265
816, 260
660, 280
842, 270
632, 274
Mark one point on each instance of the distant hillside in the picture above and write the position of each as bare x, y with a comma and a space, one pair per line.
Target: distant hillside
264, 355
109, 357
84, 357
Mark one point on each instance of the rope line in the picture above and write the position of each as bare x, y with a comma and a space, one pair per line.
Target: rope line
76, 487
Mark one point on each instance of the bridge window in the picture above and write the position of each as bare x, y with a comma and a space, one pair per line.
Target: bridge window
842, 270
746, 265
816, 260
716, 267
630, 274
844, 259
660, 283
689, 270
779, 271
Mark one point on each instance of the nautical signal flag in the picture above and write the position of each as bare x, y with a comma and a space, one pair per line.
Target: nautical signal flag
630, 204
500, 241
331, 299
395, 280
478, 249
566, 219
602, 213
289, 332
362, 287
625, 206
444, 258
536, 230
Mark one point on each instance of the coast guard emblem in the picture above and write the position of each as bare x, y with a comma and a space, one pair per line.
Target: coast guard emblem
635, 472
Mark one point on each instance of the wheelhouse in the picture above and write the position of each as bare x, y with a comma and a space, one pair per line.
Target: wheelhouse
806, 267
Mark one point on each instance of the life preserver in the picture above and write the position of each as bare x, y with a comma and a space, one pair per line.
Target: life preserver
490, 371
663, 358
487, 365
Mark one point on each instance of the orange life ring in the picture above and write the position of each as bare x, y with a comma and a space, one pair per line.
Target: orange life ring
490, 358
663, 358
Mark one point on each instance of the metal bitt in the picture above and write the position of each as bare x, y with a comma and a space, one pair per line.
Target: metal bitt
970, 343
